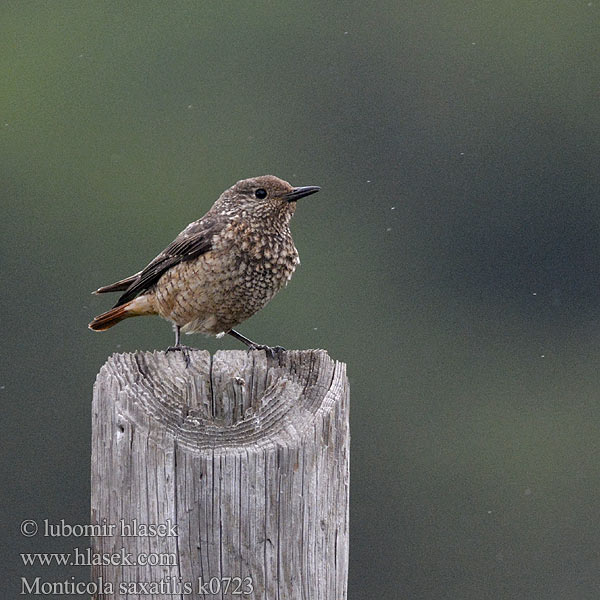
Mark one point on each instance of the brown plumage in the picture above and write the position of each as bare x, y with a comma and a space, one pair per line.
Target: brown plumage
221, 269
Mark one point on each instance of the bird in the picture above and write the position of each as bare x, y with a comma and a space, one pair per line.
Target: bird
221, 269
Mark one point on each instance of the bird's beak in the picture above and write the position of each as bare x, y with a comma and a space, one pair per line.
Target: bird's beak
300, 192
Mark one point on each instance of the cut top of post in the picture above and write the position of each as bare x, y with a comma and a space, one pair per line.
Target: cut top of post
229, 400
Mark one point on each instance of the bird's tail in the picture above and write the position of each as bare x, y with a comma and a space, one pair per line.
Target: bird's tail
134, 308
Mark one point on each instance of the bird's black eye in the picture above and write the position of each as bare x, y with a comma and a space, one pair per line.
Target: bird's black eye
261, 193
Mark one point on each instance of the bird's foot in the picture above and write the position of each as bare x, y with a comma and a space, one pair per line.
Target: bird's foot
271, 351
185, 351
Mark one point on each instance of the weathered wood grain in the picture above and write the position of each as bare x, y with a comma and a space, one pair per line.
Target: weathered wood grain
247, 456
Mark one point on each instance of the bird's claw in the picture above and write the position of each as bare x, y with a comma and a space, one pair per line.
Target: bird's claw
185, 351
271, 351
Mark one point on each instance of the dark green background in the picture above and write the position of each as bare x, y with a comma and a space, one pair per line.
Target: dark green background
451, 258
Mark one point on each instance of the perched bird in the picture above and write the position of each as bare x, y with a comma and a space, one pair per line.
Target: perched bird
219, 270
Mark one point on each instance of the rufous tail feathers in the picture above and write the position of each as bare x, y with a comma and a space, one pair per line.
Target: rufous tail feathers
134, 308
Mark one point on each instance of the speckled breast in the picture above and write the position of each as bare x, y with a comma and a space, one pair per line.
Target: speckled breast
218, 290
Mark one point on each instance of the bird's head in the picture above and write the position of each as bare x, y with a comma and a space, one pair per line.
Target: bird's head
263, 197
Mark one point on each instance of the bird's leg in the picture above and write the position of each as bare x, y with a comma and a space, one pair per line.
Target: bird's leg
270, 350
178, 347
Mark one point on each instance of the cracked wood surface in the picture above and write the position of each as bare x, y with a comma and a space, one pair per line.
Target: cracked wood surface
246, 456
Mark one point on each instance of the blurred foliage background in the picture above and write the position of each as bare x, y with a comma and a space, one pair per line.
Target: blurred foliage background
451, 258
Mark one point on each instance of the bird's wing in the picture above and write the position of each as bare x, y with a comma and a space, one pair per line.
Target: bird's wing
117, 286
194, 240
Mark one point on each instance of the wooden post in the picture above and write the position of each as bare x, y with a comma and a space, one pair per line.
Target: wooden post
224, 479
